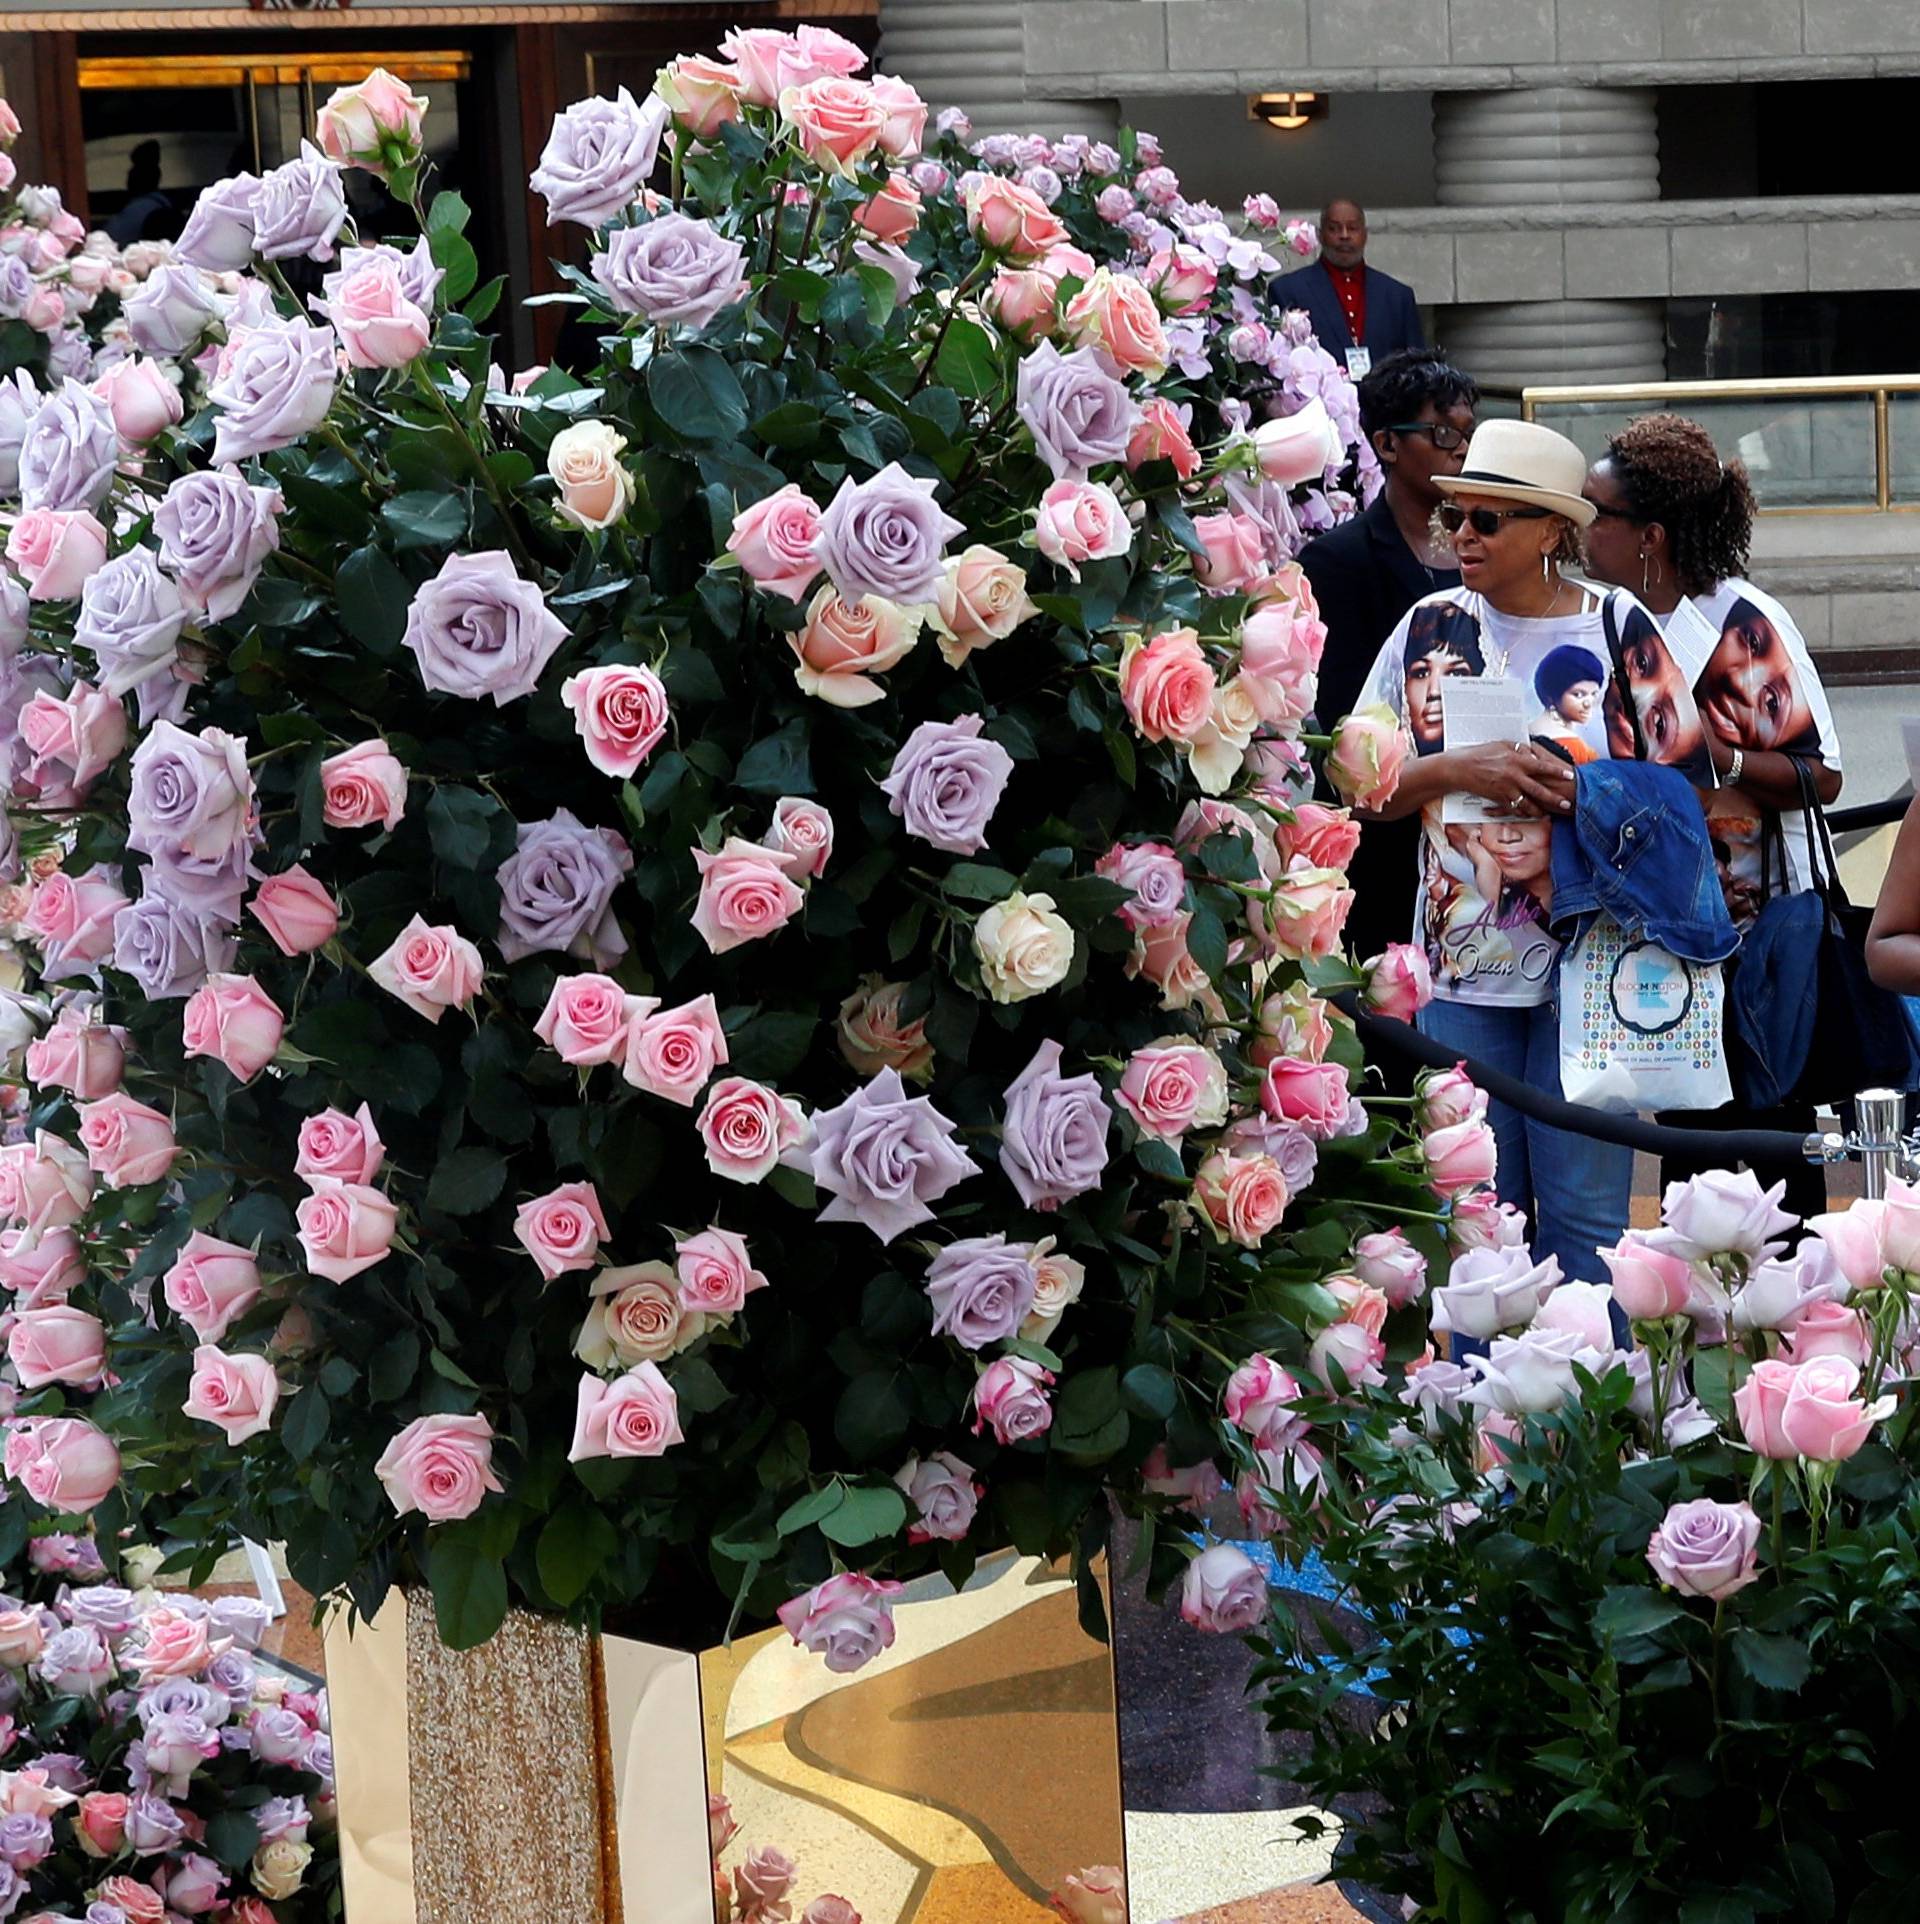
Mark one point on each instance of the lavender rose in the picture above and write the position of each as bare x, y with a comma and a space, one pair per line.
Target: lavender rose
674, 268
598, 157
191, 794
275, 385
131, 616
25, 1838
300, 208
216, 531
477, 629
70, 451
885, 1158
168, 951
1053, 1144
1706, 1549
942, 1490
208, 886
219, 232
946, 782
17, 286
981, 1289
70, 355
19, 403
153, 1825
556, 891
887, 537
76, 1660
1488, 1290
1079, 416
170, 310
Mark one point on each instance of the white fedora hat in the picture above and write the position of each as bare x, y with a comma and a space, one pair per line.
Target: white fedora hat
1522, 461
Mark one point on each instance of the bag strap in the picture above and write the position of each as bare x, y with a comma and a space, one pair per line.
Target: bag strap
1622, 687
1814, 816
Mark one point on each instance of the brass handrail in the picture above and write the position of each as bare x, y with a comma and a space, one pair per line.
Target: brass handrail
1875, 388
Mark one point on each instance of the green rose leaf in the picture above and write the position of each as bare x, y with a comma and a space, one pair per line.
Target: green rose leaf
466, 1180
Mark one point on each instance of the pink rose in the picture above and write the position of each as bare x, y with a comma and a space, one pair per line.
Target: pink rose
1319, 836
1853, 1238
1011, 219
1386, 1261
1399, 982
441, 1466
22, 1638
1024, 300
1010, 1398
1650, 1284
1096, 1895
1162, 435
620, 714
906, 116
1116, 315
296, 911
747, 1128
127, 1143
235, 1393
672, 1053
1447, 1096
1828, 1329
80, 737
635, 1415
363, 785
844, 644
1242, 1197
839, 121
345, 1227
872, 1036
41, 1269
88, 1059
1759, 1403
211, 1285
1369, 749
745, 893
72, 917
1300, 446
1820, 1416
1460, 1158
702, 94
1171, 1086
801, 837
377, 124
1168, 685
232, 1019
378, 325
44, 1184
63, 1462
341, 1147
1311, 1094
54, 550
830, 1909
1193, 1486
100, 1822
588, 1019
431, 970
57, 1344
761, 1881
716, 1274
1224, 1592
1235, 556
1183, 277
891, 215
562, 1230
1304, 915
776, 542
1081, 521
848, 1620
1293, 1024
1260, 1399
982, 598
1160, 953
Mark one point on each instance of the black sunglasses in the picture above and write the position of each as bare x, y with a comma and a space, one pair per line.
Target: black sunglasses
1444, 437
1485, 522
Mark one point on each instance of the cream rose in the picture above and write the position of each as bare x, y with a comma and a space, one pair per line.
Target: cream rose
982, 598
584, 461
1025, 947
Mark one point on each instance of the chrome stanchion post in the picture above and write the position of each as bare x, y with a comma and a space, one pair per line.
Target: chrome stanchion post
1877, 1115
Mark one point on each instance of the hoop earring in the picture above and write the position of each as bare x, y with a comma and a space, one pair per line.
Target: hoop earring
1646, 562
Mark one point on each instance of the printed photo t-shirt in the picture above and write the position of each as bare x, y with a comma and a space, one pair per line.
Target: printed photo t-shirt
1757, 689
1485, 888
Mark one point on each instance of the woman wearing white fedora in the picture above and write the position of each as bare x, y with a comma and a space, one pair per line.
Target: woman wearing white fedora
1514, 514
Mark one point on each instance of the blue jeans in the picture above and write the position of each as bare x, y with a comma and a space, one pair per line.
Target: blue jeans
1578, 1193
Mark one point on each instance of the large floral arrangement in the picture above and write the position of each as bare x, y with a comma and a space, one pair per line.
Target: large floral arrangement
690, 984
1639, 1622
151, 1768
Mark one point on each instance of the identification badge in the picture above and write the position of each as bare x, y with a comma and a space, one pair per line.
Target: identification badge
1359, 362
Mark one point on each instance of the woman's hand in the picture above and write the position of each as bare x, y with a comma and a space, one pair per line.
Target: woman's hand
1528, 780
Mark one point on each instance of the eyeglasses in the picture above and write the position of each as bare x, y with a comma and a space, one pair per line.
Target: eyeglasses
1613, 514
1443, 437
1485, 522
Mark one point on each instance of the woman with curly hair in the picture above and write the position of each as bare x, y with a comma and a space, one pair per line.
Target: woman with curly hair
1674, 523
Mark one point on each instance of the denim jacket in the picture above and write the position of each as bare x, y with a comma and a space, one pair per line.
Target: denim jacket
1637, 849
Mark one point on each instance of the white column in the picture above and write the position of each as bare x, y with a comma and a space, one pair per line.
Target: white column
1551, 146
972, 54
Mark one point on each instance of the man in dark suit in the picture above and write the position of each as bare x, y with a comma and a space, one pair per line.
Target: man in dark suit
1359, 314
1417, 412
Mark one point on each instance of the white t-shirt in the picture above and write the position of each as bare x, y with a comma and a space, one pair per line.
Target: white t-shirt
1757, 689
1485, 888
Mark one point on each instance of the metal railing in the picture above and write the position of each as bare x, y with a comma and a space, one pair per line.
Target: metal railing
1832, 444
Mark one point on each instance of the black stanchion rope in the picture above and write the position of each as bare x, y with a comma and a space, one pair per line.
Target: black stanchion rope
1654, 1139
